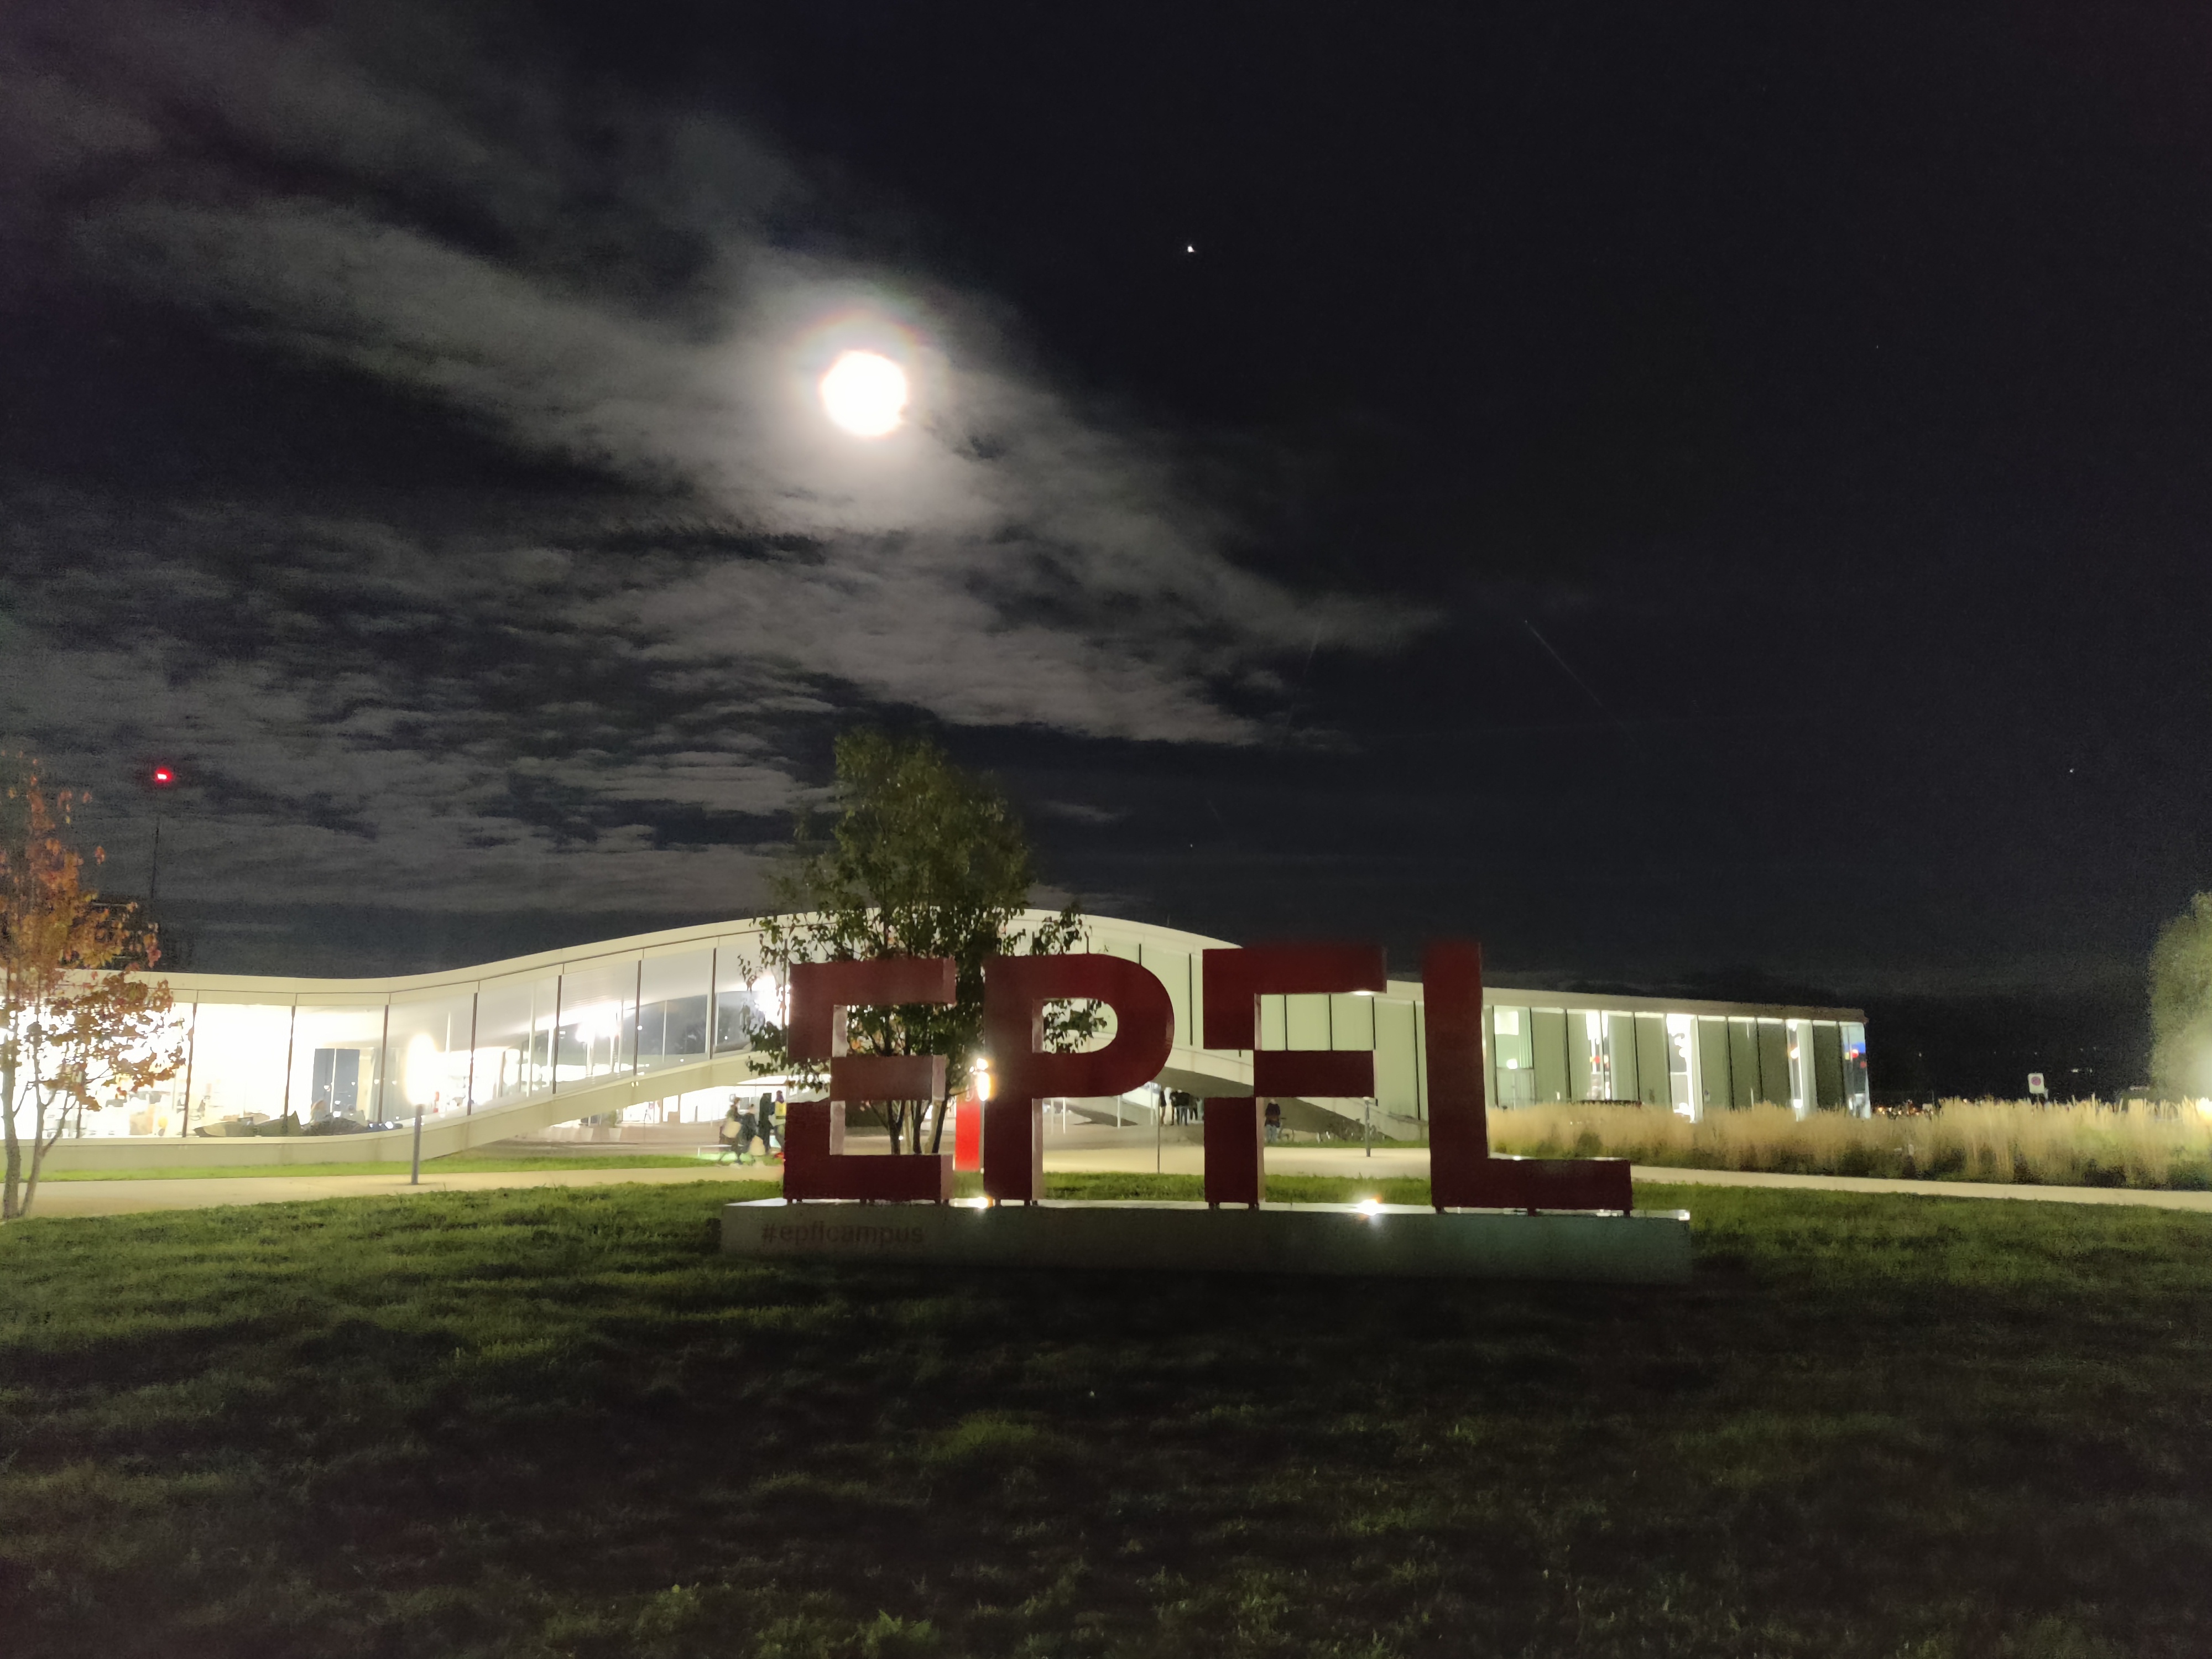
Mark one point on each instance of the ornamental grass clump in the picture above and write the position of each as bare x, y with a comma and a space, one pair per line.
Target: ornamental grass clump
2078, 1144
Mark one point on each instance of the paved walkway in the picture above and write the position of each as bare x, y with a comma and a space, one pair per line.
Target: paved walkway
78, 1198
1387, 1162
2153, 1197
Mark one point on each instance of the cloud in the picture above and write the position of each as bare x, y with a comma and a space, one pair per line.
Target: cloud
1075, 811
594, 679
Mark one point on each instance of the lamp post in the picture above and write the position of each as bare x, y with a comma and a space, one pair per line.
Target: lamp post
160, 778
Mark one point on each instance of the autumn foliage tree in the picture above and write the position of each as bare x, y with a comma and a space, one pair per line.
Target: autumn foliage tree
922, 859
79, 1027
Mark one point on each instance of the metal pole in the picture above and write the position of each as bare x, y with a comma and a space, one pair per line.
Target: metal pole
714, 995
291, 1035
415, 1176
192, 1053
1369, 1109
383, 1046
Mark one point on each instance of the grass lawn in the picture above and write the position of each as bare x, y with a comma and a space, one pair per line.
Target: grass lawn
555, 1422
452, 1163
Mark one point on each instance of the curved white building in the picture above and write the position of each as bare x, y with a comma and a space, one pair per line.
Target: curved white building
653, 1027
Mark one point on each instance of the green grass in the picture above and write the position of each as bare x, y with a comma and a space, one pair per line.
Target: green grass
452, 1163
555, 1422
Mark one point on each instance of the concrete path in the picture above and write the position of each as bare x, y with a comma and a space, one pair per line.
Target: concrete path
79, 1198
1393, 1161
2153, 1197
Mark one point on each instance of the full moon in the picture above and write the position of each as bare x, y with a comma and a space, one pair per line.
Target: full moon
865, 393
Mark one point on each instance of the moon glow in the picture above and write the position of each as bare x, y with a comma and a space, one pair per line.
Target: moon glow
865, 393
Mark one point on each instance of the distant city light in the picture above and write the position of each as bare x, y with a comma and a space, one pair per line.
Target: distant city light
865, 393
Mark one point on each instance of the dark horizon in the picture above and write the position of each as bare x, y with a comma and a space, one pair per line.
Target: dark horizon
1702, 502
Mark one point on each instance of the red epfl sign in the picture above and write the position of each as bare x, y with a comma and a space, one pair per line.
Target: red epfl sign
1462, 1174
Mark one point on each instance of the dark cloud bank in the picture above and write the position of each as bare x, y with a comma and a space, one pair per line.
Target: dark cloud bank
602, 690
1593, 490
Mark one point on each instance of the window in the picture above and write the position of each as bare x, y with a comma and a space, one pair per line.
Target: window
238, 1065
1589, 1063
1857, 1097
514, 1039
1513, 1056
1681, 1064
429, 1055
672, 1009
598, 1007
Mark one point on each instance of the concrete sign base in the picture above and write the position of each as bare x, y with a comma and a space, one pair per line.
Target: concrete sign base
1648, 1247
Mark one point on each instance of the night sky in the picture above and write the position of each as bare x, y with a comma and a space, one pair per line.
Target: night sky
1706, 498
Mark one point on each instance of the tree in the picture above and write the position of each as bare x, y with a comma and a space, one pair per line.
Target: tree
77, 1029
924, 859
2181, 1004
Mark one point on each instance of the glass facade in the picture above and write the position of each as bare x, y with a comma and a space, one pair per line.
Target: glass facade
429, 1046
597, 1034
514, 1038
742, 990
1857, 1097
1690, 1063
337, 1067
1828, 1065
1589, 1064
301, 1057
241, 1058
675, 994
1513, 1056
1620, 1054
1743, 1063
154, 1113
1774, 1062
1682, 1063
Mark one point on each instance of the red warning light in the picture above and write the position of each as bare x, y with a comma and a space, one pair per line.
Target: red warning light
163, 777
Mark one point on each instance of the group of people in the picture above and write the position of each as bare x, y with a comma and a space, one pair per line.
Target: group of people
757, 1124
1187, 1109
